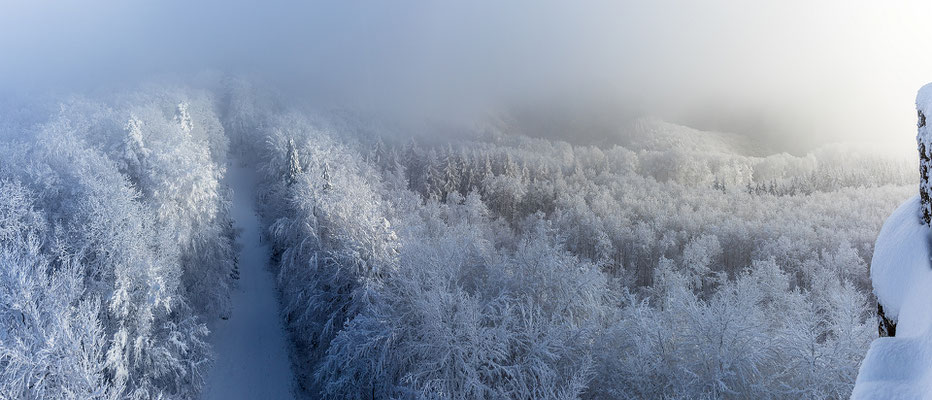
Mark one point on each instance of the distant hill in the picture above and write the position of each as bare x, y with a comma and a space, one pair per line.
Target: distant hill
603, 129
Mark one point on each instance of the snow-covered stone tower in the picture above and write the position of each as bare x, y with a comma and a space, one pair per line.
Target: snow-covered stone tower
898, 364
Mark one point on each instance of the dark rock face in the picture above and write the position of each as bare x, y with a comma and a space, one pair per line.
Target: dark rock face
924, 141
885, 326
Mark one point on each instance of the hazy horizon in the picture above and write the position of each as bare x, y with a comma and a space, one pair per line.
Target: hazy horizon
792, 75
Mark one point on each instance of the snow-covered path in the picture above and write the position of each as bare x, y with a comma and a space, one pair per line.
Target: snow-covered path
251, 348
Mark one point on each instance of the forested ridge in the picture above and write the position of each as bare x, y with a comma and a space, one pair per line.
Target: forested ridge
421, 264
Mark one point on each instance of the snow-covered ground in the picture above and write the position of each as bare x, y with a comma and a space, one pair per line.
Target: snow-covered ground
900, 367
251, 348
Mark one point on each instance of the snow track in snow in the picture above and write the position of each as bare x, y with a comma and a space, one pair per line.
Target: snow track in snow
251, 347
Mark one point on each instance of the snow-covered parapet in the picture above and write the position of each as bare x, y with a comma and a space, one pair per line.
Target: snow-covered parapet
900, 367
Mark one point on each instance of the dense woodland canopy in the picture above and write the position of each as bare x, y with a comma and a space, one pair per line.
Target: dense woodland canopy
486, 264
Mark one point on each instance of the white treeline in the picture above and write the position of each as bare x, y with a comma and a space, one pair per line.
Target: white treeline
500, 266
112, 221
479, 265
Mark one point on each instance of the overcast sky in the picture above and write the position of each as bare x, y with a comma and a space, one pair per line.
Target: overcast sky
792, 72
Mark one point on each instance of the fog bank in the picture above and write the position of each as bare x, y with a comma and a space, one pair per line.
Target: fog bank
790, 75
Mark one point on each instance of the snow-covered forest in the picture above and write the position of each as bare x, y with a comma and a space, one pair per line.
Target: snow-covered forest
438, 261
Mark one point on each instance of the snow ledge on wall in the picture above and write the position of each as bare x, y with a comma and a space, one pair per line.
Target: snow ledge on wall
900, 367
